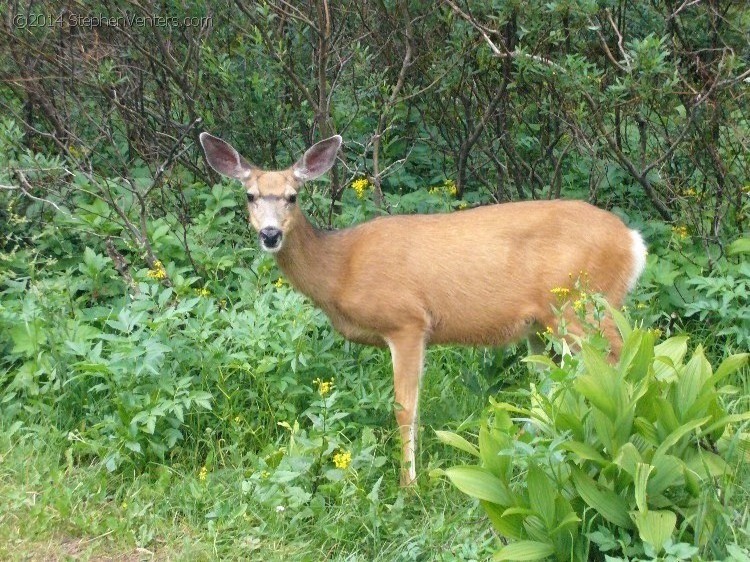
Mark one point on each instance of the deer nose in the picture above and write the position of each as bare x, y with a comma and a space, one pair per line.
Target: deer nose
270, 237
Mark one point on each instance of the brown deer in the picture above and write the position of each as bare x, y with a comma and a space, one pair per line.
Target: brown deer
477, 277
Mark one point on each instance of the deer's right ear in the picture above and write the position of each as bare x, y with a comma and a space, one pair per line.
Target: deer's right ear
223, 158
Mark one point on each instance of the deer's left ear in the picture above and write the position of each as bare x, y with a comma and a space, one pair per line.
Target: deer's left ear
318, 159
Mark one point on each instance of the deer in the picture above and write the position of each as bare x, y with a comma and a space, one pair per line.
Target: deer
480, 277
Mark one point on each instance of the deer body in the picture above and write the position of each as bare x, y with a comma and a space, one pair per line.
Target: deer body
478, 277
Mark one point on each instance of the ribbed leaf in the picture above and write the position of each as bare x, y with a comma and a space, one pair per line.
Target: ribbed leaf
525, 550
642, 472
730, 365
541, 495
668, 471
636, 355
584, 451
491, 442
509, 526
628, 459
609, 505
692, 377
675, 348
479, 483
620, 321
655, 527
598, 384
676, 435
455, 440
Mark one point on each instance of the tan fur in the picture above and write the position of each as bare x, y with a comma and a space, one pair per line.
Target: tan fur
479, 277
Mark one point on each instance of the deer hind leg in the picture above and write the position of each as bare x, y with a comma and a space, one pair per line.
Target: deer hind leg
407, 353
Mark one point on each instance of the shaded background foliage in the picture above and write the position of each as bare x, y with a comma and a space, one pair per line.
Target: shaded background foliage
637, 105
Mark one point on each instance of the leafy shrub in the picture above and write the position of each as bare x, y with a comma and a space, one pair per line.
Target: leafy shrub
710, 299
630, 459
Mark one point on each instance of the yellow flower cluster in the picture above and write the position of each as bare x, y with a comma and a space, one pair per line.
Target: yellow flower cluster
203, 473
560, 292
580, 303
158, 271
203, 292
342, 460
680, 231
361, 186
324, 387
279, 283
689, 192
448, 187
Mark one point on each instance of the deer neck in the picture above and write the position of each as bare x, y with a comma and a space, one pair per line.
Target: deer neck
311, 260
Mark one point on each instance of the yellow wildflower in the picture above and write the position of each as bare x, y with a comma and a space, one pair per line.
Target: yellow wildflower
560, 292
158, 271
689, 192
203, 473
203, 292
548, 330
463, 205
237, 419
680, 231
449, 186
361, 186
324, 387
342, 460
279, 283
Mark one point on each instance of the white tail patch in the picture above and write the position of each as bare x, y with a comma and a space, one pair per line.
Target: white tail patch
639, 258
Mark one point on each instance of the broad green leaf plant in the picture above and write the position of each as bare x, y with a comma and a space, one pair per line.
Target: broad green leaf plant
633, 459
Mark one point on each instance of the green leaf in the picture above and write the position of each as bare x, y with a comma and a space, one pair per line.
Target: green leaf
509, 526
655, 527
739, 246
584, 451
628, 458
676, 435
668, 471
479, 483
599, 383
690, 381
541, 495
609, 505
525, 550
730, 365
675, 349
620, 321
455, 440
642, 472
491, 442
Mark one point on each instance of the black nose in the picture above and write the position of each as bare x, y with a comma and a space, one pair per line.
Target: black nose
270, 236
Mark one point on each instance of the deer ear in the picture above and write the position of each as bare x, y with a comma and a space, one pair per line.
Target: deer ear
223, 158
318, 159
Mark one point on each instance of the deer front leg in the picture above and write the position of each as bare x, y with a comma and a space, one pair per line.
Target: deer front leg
407, 353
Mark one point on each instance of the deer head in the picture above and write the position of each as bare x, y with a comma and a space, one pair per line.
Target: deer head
271, 195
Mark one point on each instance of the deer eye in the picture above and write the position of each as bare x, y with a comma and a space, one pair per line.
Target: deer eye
292, 198
251, 197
